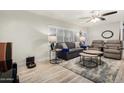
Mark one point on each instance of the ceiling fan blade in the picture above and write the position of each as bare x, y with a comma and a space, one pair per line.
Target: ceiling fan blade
88, 21
109, 13
101, 18
84, 18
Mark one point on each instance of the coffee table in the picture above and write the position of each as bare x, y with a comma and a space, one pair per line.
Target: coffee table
88, 60
94, 52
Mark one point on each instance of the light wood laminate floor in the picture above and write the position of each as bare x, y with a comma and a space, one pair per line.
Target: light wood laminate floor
45, 72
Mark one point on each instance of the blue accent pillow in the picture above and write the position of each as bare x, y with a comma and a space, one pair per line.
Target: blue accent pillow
65, 50
84, 47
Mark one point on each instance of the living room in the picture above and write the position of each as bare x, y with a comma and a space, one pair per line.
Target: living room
33, 32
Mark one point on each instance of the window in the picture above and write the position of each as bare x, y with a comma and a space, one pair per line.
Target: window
67, 36
60, 35
64, 35
52, 32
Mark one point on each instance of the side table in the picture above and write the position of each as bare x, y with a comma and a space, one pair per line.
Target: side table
56, 60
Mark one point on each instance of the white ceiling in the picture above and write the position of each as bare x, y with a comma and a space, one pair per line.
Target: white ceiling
73, 16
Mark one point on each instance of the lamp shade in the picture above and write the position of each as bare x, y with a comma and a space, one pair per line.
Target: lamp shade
82, 38
52, 39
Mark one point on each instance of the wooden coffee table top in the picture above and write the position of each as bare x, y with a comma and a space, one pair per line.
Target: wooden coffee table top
87, 55
93, 52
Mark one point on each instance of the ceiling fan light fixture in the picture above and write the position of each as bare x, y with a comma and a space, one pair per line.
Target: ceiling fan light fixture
94, 20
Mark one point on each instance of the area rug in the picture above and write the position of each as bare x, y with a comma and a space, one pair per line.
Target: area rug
105, 73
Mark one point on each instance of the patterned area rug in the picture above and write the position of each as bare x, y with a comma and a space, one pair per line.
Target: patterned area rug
105, 73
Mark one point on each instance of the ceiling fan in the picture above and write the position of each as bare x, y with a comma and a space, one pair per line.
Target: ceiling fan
96, 16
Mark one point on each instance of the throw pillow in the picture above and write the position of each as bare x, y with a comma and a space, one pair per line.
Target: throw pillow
64, 46
77, 44
65, 50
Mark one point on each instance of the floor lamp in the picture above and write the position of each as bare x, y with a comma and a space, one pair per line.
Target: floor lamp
82, 42
82, 39
52, 40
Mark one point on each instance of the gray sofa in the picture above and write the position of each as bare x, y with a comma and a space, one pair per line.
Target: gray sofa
72, 51
112, 49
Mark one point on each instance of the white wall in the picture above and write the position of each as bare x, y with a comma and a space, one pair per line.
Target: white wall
28, 33
94, 33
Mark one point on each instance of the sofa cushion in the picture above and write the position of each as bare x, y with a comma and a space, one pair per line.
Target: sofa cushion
113, 42
112, 55
75, 50
112, 45
97, 45
70, 45
98, 42
59, 45
112, 51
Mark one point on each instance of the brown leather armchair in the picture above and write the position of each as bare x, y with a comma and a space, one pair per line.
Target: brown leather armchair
113, 49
